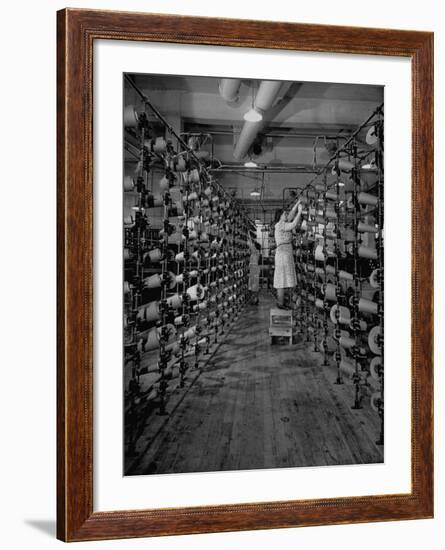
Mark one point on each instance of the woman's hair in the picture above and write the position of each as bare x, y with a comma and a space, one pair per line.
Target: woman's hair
278, 214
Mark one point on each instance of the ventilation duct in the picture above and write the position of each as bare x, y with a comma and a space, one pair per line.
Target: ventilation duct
266, 95
229, 88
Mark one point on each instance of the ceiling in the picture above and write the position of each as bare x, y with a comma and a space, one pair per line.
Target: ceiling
287, 141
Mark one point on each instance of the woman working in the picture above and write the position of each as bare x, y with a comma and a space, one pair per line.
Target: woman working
285, 276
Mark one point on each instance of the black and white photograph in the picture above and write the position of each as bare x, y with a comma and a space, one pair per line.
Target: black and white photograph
253, 279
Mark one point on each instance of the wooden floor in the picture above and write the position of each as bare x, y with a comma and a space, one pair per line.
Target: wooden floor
258, 405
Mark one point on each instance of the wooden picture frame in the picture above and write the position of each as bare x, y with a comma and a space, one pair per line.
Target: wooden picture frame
77, 31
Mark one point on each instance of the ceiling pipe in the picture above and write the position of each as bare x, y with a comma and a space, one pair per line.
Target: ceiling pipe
267, 93
229, 88
247, 136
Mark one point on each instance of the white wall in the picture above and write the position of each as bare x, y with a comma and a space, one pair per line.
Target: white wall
28, 214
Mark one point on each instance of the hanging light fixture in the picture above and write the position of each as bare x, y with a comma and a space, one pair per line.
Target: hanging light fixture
251, 164
253, 115
258, 192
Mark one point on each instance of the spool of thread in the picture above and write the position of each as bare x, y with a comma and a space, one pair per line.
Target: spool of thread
371, 136
171, 280
319, 254
344, 315
367, 306
129, 183
193, 176
168, 332
346, 342
152, 340
173, 347
195, 292
201, 306
131, 118
154, 281
375, 367
149, 312
374, 340
366, 198
179, 257
190, 197
348, 235
181, 320
330, 292
345, 165
128, 219
154, 255
154, 201
331, 195
164, 185
174, 301
178, 164
202, 154
366, 228
189, 333
347, 367
174, 238
126, 287
374, 278
376, 399
367, 252
359, 324
368, 177
176, 209
160, 145
127, 254
345, 275
319, 303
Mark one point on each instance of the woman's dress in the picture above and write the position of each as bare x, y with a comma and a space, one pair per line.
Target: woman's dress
284, 276
254, 269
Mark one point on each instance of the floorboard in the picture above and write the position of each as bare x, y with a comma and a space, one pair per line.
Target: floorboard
257, 405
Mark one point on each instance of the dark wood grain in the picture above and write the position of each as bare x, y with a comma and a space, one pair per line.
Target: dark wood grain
77, 30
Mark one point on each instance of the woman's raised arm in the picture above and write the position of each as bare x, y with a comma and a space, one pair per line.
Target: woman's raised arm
289, 226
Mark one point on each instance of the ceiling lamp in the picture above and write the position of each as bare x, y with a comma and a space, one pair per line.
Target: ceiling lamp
253, 115
251, 164
255, 193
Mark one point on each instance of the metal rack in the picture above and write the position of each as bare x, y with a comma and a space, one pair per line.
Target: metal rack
185, 265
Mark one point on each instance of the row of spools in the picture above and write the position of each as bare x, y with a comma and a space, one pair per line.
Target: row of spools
339, 261
186, 265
